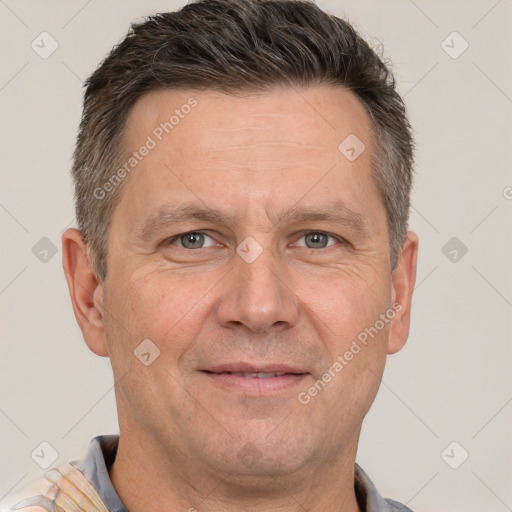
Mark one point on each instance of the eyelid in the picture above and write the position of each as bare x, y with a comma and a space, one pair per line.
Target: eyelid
330, 235
175, 238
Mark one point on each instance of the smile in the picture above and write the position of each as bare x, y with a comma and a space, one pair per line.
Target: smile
256, 381
259, 375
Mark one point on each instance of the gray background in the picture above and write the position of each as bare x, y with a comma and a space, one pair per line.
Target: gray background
452, 382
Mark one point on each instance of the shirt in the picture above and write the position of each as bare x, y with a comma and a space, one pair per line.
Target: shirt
100, 456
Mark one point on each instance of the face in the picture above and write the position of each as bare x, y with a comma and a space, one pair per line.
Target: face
253, 253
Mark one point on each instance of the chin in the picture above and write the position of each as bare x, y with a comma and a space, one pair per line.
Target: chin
265, 456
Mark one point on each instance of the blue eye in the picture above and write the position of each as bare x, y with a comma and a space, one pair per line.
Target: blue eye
199, 240
316, 240
192, 240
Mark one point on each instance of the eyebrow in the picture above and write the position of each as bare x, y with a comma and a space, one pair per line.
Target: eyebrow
334, 212
175, 214
167, 215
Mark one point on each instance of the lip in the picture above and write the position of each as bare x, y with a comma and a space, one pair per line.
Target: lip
226, 377
244, 367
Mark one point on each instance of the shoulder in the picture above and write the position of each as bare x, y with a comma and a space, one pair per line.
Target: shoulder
396, 506
370, 499
62, 488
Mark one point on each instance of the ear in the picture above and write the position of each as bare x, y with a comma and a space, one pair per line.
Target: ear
86, 290
403, 280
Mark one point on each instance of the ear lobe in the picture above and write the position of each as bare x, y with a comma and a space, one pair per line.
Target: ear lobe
403, 280
85, 289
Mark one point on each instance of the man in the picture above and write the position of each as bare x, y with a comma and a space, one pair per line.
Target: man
242, 173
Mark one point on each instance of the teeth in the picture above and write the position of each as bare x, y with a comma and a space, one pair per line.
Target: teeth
259, 375
266, 375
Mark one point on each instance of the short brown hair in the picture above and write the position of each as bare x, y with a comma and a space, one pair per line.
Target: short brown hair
234, 46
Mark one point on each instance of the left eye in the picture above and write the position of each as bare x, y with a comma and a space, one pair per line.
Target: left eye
316, 240
193, 240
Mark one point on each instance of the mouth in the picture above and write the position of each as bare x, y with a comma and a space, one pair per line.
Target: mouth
258, 375
249, 379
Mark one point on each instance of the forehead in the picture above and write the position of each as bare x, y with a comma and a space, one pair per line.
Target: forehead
238, 151
322, 114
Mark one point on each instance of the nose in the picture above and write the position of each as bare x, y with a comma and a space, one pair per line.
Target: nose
258, 296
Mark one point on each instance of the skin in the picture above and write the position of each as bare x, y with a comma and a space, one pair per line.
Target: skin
184, 433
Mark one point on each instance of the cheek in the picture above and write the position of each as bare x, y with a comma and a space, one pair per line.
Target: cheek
348, 319
343, 306
170, 314
163, 308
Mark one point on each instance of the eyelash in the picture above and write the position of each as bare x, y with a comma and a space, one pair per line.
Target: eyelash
172, 240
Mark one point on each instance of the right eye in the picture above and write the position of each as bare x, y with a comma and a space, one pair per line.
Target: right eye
192, 240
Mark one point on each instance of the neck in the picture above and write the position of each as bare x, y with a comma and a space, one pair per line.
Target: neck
147, 478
